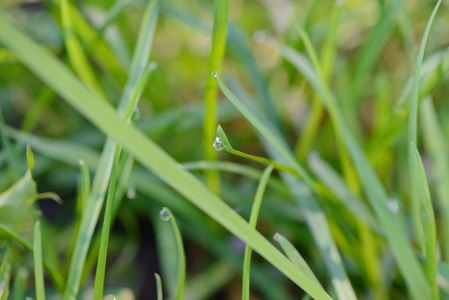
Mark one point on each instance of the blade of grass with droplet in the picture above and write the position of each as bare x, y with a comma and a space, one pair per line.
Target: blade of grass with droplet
181, 258
227, 146
428, 220
158, 286
436, 147
219, 33
20, 283
75, 52
38, 269
302, 191
54, 275
144, 149
412, 134
253, 222
294, 256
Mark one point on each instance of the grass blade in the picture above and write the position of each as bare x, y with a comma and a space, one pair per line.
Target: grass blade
145, 150
428, 221
5, 274
20, 283
38, 269
158, 286
167, 215
219, 32
253, 222
294, 256
412, 131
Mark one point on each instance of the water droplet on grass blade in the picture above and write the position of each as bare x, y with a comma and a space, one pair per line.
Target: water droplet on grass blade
218, 144
214, 74
131, 194
276, 236
164, 215
260, 36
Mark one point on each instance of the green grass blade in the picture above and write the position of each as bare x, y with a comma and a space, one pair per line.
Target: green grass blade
20, 283
294, 256
38, 269
54, 275
158, 286
145, 150
253, 222
30, 157
167, 215
436, 146
5, 274
428, 220
75, 52
219, 32
227, 146
13, 163
84, 190
103, 253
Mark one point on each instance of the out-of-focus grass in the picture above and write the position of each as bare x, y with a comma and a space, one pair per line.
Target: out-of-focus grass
340, 88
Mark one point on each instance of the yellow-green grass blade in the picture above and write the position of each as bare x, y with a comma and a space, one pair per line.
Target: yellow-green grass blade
253, 222
30, 157
435, 145
227, 146
219, 34
102, 255
158, 286
38, 269
294, 256
428, 221
303, 193
145, 150
75, 52
53, 274
167, 215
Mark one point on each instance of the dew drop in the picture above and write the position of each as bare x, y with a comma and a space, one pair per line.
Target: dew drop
276, 236
136, 114
164, 215
214, 74
260, 36
218, 144
131, 194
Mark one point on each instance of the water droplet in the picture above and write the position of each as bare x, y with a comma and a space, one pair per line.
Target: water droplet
260, 36
218, 144
393, 205
339, 2
136, 114
131, 194
164, 215
152, 65
214, 74
276, 236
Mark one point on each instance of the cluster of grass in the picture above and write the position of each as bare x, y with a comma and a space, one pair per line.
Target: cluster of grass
116, 110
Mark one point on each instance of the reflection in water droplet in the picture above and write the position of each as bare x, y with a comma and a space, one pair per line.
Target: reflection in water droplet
276, 236
260, 36
214, 74
218, 144
131, 194
164, 215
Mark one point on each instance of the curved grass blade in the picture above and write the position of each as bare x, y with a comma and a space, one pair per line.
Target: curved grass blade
101, 264
167, 215
302, 192
253, 222
20, 283
428, 220
75, 52
54, 275
145, 150
38, 269
219, 32
294, 256
158, 286
436, 146
227, 146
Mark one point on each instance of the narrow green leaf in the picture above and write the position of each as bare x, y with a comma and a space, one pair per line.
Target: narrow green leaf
428, 220
294, 256
412, 130
219, 34
158, 286
253, 222
20, 283
38, 269
30, 156
145, 150
5, 275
